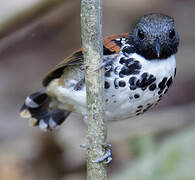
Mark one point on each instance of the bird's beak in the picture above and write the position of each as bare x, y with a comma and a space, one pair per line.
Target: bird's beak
157, 47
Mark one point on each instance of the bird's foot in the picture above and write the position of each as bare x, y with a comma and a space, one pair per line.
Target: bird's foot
107, 156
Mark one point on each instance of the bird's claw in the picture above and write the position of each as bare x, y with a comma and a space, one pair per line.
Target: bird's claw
107, 156
83, 146
104, 64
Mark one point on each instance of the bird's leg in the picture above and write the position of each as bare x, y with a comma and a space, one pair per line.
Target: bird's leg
107, 156
79, 84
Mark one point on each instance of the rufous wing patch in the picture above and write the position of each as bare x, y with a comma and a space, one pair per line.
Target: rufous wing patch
110, 47
110, 44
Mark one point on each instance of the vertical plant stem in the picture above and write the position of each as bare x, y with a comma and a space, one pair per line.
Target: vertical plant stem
91, 27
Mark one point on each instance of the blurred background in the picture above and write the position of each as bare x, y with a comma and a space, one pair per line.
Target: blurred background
34, 36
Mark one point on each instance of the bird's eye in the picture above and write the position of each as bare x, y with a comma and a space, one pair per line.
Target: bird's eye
140, 35
172, 34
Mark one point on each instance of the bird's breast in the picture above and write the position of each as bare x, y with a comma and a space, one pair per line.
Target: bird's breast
133, 84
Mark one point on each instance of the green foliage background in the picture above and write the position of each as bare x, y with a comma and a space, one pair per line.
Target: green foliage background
173, 159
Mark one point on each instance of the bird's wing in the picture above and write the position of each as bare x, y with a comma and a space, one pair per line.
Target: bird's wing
111, 45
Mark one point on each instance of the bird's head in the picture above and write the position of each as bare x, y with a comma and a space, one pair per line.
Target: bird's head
155, 37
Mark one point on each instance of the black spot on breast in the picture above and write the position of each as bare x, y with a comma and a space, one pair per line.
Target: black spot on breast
106, 100
166, 90
136, 96
132, 82
116, 85
131, 68
122, 60
162, 84
138, 84
140, 106
145, 81
125, 71
122, 83
127, 62
149, 106
139, 114
169, 82
115, 101
151, 79
107, 73
164, 80
107, 85
152, 87
160, 92
175, 72
144, 75
138, 110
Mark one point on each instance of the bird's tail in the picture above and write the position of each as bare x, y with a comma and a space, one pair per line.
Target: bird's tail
36, 109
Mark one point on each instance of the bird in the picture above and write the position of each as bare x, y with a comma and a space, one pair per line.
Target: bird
140, 66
